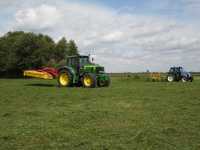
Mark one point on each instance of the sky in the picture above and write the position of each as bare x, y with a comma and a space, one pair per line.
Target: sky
122, 35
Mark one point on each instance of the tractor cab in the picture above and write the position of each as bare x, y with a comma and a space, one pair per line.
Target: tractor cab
78, 61
82, 63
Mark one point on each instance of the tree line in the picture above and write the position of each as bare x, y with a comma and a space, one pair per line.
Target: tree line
20, 51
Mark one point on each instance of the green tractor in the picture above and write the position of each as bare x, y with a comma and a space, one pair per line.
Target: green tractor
80, 71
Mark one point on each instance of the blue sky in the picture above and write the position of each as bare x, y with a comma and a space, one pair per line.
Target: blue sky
169, 9
116, 4
135, 34
175, 9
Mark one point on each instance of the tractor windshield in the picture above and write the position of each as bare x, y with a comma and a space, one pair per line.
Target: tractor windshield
84, 61
183, 70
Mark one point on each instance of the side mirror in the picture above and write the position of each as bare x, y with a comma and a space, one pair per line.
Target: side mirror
92, 58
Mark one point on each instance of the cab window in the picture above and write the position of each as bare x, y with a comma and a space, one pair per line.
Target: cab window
84, 61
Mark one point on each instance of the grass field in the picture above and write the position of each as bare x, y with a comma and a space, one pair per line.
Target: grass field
131, 114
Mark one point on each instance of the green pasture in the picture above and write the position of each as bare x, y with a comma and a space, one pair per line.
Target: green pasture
131, 114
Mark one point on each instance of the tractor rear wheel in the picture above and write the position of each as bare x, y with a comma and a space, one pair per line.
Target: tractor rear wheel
64, 78
89, 80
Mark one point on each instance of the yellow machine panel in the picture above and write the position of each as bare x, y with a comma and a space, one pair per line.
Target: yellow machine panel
38, 74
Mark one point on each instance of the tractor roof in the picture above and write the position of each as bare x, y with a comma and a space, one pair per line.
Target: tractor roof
176, 67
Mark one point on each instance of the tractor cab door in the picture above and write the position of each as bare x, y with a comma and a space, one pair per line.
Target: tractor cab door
74, 63
179, 72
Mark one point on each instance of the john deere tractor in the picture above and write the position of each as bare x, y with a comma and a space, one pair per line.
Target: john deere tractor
80, 71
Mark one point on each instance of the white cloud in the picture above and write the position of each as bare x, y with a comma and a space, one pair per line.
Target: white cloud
120, 41
7, 2
1, 33
113, 36
39, 18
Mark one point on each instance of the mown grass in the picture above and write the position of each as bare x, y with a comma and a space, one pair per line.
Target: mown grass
131, 114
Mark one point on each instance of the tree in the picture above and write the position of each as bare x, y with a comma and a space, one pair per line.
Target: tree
72, 48
61, 50
2, 56
20, 51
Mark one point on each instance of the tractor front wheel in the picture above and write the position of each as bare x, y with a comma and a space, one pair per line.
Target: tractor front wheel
184, 80
64, 78
108, 82
170, 78
89, 80
104, 83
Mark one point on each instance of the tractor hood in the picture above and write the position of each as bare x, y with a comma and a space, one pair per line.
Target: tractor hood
94, 68
92, 65
187, 74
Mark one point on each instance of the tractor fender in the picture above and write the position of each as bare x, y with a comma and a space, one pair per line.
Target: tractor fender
70, 70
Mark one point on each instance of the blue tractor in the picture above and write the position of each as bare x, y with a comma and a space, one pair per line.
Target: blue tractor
179, 74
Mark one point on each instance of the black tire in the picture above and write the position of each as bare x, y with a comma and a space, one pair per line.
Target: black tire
104, 83
61, 75
108, 82
184, 79
92, 80
170, 78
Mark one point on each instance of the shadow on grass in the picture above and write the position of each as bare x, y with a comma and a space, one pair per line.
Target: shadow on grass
41, 85
54, 85
47, 85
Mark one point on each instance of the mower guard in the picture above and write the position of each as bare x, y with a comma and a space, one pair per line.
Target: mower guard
44, 73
